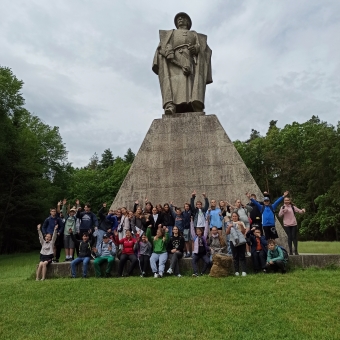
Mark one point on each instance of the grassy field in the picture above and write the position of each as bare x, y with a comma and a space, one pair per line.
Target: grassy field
317, 247
303, 304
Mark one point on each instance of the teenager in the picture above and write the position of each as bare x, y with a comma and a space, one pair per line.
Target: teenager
124, 225
104, 225
159, 243
144, 249
255, 214
46, 252
155, 220
128, 253
70, 223
217, 244
168, 220
236, 229
84, 253
275, 258
214, 217
258, 249
200, 248
199, 211
138, 222
186, 232
88, 220
175, 248
288, 211
268, 215
105, 252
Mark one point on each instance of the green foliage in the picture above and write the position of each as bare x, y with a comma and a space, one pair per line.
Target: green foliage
304, 159
129, 157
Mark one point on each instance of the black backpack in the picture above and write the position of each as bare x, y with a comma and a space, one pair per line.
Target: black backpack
285, 253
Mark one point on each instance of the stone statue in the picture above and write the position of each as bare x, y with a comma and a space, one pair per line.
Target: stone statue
183, 64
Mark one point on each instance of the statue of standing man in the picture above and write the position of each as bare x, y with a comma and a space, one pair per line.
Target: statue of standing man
183, 64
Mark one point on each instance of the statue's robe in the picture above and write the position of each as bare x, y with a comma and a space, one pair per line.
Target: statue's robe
172, 52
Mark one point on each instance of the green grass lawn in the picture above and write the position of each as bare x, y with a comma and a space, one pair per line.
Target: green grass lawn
317, 247
303, 304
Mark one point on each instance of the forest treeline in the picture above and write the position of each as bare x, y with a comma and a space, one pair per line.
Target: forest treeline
35, 173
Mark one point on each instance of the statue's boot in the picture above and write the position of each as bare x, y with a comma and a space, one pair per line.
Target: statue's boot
197, 106
170, 109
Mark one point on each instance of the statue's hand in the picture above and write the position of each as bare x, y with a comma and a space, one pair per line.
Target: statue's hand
186, 70
192, 49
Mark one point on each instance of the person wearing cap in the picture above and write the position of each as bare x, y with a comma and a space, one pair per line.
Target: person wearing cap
105, 252
268, 215
183, 64
70, 223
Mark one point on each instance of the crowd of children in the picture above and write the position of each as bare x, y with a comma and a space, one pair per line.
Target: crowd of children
149, 236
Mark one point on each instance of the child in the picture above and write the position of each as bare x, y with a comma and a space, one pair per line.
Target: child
258, 249
216, 243
275, 258
214, 216
159, 254
105, 252
288, 211
144, 249
84, 253
186, 232
236, 230
175, 249
70, 223
200, 248
46, 252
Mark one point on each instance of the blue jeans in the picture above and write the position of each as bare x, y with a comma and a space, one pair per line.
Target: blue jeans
170, 229
161, 258
74, 263
100, 234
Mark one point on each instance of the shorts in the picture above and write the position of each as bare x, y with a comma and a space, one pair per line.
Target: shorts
47, 258
68, 242
186, 235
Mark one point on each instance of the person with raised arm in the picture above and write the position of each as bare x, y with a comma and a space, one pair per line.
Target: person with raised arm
46, 252
237, 230
200, 248
215, 217
159, 243
288, 211
199, 211
268, 214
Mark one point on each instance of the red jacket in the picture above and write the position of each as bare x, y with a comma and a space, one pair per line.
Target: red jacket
127, 245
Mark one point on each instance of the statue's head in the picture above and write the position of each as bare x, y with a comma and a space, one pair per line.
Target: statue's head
182, 19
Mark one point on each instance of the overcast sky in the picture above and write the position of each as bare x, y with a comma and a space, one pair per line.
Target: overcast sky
87, 64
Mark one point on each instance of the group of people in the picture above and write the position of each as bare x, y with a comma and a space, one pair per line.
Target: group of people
148, 236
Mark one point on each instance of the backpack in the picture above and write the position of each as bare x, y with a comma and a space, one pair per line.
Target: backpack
285, 253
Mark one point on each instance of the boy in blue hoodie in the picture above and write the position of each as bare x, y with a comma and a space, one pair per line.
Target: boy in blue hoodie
268, 214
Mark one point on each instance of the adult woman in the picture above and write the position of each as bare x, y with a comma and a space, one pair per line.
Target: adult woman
175, 249
243, 213
159, 254
288, 211
128, 253
168, 220
237, 230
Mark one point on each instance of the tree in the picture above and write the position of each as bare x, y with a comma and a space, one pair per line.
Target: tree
129, 157
107, 159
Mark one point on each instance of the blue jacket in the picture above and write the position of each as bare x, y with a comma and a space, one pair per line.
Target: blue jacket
252, 237
114, 221
50, 223
268, 217
88, 220
179, 220
214, 218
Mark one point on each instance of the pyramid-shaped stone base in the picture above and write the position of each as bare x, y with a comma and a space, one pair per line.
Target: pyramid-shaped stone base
186, 152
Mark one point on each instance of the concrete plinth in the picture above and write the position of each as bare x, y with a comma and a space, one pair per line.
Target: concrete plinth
186, 152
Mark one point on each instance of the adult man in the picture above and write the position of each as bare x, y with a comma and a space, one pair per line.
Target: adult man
183, 64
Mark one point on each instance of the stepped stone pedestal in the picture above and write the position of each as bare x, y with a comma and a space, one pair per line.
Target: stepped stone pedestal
185, 152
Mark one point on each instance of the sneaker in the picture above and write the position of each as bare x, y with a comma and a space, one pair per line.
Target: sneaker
179, 275
264, 271
188, 255
248, 253
237, 274
194, 275
244, 274
54, 260
93, 256
160, 275
155, 275
37, 279
296, 253
169, 271
141, 275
